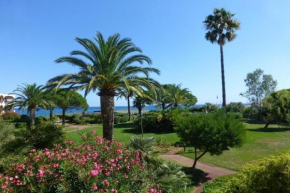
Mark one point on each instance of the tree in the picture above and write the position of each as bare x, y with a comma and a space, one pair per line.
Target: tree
259, 85
172, 95
278, 106
221, 28
210, 133
29, 96
140, 102
208, 107
69, 99
108, 67
127, 94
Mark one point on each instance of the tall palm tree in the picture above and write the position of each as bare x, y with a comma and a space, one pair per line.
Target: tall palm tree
108, 66
127, 94
29, 96
221, 28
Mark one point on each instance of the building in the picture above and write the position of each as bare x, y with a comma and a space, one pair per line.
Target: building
4, 100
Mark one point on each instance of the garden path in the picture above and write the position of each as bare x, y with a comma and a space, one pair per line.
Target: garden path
211, 172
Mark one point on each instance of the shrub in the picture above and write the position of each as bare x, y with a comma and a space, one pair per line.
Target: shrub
159, 121
215, 186
235, 107
20, 124
269, 175
12, 116
117, 119
24, 118
94, 166
45, 135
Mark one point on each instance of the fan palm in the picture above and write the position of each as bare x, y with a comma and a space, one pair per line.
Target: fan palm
31, 97
221, 28
108, 67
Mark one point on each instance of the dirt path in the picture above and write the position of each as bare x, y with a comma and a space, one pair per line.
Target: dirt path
211, 172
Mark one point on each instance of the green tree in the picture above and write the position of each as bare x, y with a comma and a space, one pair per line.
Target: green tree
108, 67
259, 85
210, 133
29, 96
221, 28
278, 106
208, 107
69, 99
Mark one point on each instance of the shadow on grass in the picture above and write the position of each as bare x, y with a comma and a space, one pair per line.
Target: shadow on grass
123, 125
269, 130
253, 121
197, 176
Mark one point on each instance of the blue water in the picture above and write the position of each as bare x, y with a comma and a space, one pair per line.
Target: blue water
44, 112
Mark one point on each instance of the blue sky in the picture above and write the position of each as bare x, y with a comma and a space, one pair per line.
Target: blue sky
35, 33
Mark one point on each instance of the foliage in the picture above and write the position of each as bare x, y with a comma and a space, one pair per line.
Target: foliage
169, 176
158, 121
278, 105
259, 85
235, 107
94, 166
215, 186
208, 107
210, 133
10, 115
248, 112
269, 175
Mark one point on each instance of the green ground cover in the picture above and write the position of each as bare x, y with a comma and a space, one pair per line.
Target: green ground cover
259, 143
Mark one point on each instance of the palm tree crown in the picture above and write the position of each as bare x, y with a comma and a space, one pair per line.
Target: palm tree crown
221, 27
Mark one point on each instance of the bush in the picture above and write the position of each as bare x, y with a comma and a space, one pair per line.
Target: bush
24, 118
269, 175
20, 124
117, 119
215, 186
235, 107
95, 166
11, 116
159, 121
45, 135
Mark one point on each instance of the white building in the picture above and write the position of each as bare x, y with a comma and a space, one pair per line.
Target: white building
4, 100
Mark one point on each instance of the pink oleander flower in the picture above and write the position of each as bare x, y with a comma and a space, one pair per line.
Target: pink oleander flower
114, 191
94, 173
95, 187
40, 173
106, 183
93, 131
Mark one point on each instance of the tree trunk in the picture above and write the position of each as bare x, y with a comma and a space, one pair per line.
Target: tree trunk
32, 117
63, 117
107, 110
129, 110
141, 123
195, 159
163, 106
268, 123
223, 76
50, 114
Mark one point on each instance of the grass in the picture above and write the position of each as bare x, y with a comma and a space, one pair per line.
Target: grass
123, 133
260, 143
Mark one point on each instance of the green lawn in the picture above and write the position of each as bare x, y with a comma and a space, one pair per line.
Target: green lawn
123, 133
259, 143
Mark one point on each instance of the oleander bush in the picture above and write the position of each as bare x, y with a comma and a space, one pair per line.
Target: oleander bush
96, 166
268, 175
11, 116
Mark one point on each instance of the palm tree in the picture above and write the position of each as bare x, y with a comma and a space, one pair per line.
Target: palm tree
31, 97
108, 66
179, 96
221, 28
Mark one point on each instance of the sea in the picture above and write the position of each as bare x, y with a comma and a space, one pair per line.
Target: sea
57, 111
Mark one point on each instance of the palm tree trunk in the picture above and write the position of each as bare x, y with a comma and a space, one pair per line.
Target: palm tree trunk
107, 111
141, 123
129, 110
50, 114
32, 117
223, 76
63, 116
